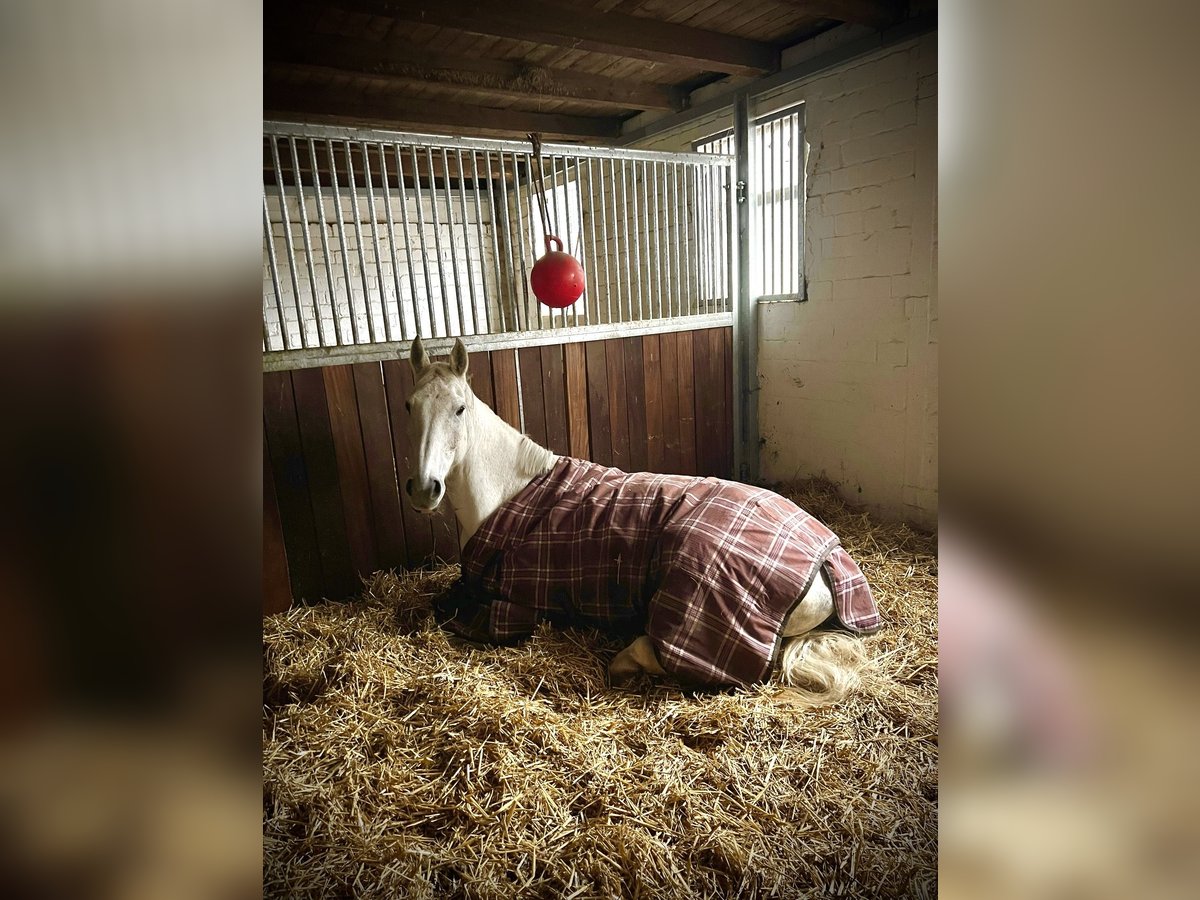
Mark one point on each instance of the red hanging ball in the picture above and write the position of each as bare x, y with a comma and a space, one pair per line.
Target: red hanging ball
557, 278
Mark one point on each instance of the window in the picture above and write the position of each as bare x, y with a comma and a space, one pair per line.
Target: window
777, 177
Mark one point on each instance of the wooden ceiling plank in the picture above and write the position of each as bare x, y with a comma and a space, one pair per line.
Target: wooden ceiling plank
578, 28
284, 101
875, 13
405, 64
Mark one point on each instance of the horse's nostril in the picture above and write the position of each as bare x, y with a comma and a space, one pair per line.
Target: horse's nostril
437, 487
408, 487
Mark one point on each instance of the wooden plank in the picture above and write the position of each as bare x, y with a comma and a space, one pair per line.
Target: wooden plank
669, 381
652, 385
325, 489
876, 13
635, 403
530, 361
335, 106
554, 394
709, 399
342, 403
386, 515
618, 414
504, 383
726, 335
398, 382
276, 584
575, 358
619, 34
599, 423
282, 434
402, 63
290, 475
479, 371
687, 404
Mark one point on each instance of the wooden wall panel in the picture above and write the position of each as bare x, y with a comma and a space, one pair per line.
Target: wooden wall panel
336, 444
575, 359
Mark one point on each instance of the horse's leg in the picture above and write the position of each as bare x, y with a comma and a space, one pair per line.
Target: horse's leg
637, 657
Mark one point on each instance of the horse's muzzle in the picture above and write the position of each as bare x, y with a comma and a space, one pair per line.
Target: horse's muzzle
426, 496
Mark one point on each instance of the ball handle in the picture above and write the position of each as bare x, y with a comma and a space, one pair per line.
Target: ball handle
551, 239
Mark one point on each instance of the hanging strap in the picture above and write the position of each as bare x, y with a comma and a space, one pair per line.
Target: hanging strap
540, 178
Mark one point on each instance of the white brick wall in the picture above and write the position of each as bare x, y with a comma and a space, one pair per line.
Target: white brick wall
848, 379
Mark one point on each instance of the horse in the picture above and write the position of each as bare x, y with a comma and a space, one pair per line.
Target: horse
464, 453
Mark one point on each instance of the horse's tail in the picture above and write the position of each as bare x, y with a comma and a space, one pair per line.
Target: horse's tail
821, 667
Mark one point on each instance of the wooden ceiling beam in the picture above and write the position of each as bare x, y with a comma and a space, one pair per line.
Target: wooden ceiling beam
395, 111
580, 28
404, 64
875, 13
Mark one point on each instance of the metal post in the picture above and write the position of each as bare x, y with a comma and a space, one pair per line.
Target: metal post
745, 324
274, 275
312, 154
487, 318
362, 256
424, 249
341, 229
495, 220
412, 275
287, 235
387, 326
391, 227
308, 254
458, 294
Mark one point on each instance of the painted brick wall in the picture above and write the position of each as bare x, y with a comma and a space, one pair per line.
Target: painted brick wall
848, 378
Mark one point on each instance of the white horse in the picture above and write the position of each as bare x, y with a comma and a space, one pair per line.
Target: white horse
462, 451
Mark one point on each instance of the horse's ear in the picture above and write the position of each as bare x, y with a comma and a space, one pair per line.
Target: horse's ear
418, 358
458, 358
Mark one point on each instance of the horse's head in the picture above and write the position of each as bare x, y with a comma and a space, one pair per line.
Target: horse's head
439, 412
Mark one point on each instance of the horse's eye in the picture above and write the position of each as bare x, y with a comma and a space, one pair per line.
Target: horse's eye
460, 411
407, 406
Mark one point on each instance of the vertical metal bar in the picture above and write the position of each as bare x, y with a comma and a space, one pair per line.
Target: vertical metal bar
778, 163
308, 255
575, 240
638, 267
689, 246
362, 256
518, 312
462, 313
287, 236
391, 227
555, 224
437, 239
609, 287
702, 228
587, 269
341, 227
387, 327
412, 275
312, 154
533, 315
801, 286
745, 324
627, 254
647, 267
591, 272
274, 274
487, 317
424, 246
494, 215
658, 259
675, 269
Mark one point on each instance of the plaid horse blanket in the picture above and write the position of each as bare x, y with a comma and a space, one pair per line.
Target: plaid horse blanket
708, 569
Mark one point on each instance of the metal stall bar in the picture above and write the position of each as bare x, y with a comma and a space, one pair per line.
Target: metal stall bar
591, 272
587, 269
475, 303
274, 276
648, 266
745, 324
532, 313
431, 318
437, 242
675, 245
458, 294
495, 219
287, 238
337, 203
308, 254
517, 308
391, 228
610, 289
637, 240
556, 224
312, 155
625, 222
658, 257
362, 256
412, 275
387, 326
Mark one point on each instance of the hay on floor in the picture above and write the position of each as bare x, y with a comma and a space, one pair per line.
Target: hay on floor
397, 764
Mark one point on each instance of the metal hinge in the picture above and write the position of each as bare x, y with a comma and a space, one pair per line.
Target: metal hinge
741, 192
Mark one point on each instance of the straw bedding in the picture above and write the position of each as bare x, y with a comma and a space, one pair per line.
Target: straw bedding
397, 764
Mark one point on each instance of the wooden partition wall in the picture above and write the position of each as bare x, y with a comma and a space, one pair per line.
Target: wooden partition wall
335, 444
